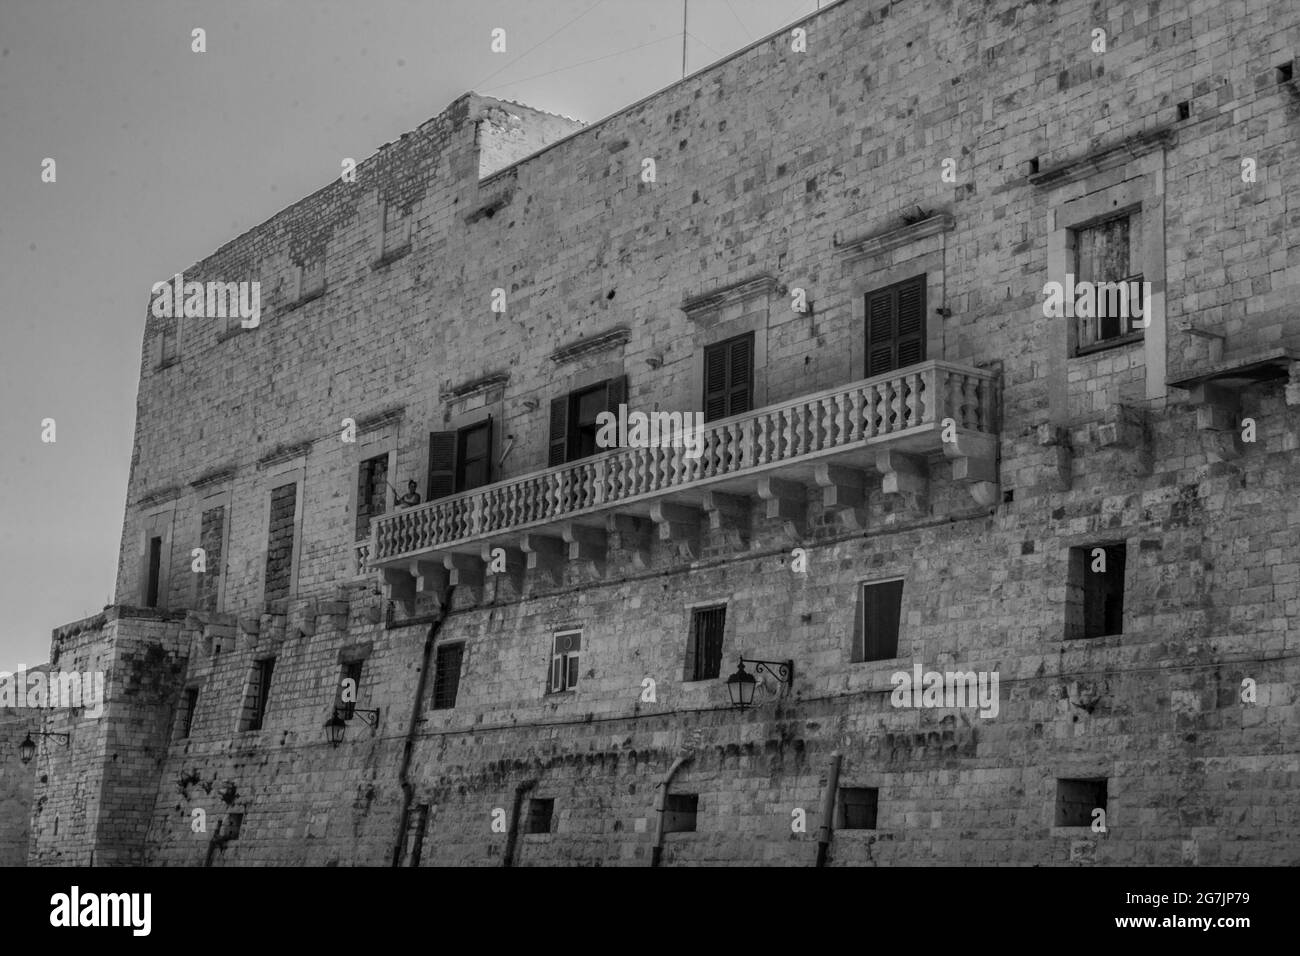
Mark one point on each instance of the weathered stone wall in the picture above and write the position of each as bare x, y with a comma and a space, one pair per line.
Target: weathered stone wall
16, 783
772, 164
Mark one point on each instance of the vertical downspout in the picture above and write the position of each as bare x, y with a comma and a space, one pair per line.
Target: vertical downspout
408, 791
828, 809
661, 798
512, 838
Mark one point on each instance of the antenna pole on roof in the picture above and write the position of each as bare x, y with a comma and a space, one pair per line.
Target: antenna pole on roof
684, 2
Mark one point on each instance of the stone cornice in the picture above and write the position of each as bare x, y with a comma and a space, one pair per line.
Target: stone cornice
284, 453
1101, 160
613, 338
895, 236
215, 476
484, 383
381, 418
696, 305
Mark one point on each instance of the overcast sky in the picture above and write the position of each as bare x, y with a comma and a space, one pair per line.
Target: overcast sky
164, 154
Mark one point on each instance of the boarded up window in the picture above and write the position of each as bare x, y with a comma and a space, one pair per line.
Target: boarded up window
1109, 252
896, 326
446, 675
707, 626
876, 637
729, 377
212, 526
474, 456
279, 542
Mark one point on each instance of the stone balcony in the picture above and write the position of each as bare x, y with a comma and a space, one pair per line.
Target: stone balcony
895, 426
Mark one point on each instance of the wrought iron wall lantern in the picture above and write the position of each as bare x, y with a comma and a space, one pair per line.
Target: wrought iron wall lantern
27, 749
337, 725
742, 684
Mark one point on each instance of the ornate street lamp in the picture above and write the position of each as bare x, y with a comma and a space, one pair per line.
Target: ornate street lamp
337, 725
742, 684
27, 749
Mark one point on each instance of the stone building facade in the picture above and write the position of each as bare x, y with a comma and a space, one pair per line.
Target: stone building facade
834, 244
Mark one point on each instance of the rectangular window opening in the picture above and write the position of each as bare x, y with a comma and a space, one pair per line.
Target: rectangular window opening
446, 679
895, 326
540, 812
876, 637
705, 654
564, 661
680, 811
349, 687
858, 808
155, 569
1094, 597
1076, 799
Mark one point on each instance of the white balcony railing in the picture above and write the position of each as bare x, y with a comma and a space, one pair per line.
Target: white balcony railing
908, 402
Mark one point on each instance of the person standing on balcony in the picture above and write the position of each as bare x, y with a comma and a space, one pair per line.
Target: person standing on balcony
411, 498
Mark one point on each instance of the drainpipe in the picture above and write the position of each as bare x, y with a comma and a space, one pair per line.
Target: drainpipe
512, 837
408, 791
828, 809
661, 799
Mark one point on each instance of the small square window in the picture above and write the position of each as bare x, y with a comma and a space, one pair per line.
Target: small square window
540, 811
679, 812
858, 808
1077, 799
1094, 597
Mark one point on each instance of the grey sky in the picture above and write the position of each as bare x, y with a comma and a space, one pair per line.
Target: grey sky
164, 154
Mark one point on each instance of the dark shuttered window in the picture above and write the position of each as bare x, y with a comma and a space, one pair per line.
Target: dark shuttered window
573, 419
896, 326
459, 460
729, 377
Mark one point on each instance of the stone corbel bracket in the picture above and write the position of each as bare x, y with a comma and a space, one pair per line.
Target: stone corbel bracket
1056, 441
544, 559
787, 502
679, 527
729, 520
508, 566
421, 579
629, 534
974, 458
844, 495
587, 545
465, 574
905, 476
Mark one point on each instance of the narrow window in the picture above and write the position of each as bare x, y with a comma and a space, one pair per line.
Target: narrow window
1095, 591
1076, 799
170, 351
372, 492
729, 377
446, 679
1108, 252
679, 812
259, 693
876, 634
279, 542
896, 326
211, 531
564, 661
705, 654
351, 673
858, 808
540, 811
188, 704
234, 824
155, 568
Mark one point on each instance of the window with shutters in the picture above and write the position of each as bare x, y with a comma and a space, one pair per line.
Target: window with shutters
372, 492
704, 658
876, 634
729, 377
896, 326
1108, 252
573, 419
564, 661
446, 675
460, 460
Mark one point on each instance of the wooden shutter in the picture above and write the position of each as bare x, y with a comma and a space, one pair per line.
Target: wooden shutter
559, 431
896, 326
442, 465
715, 382
615, 393
729, 377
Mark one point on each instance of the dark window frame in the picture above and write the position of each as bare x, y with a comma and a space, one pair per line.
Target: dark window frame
1077, 797
708, 625
444, 699
725, 398
681, 812
1132, 273
873, 601
353, 670
1094, 600
895, 305
539, 815
859, 808
565, 678
259, 693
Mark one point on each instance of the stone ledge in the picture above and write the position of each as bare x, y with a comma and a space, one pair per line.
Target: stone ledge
891, 238
597, 343
1103, 159
696, 305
